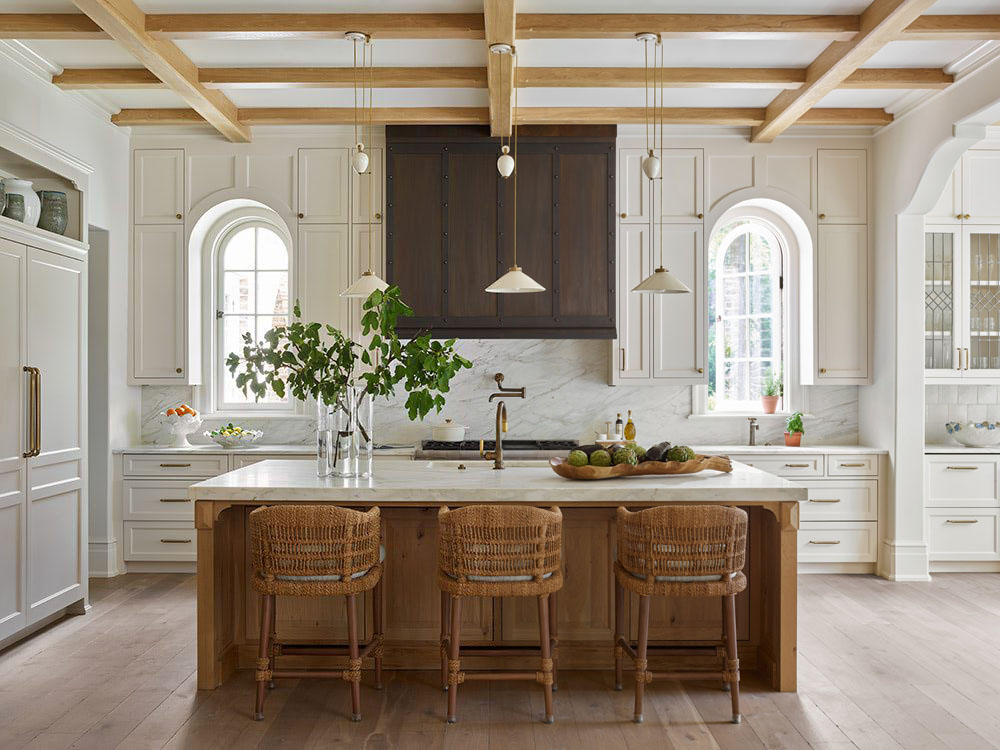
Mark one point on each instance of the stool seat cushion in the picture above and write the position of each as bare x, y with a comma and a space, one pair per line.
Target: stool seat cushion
498, 579
327, 563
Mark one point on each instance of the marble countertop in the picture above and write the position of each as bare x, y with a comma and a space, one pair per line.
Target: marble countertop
429, 483
765, 449
956, 448
294, 449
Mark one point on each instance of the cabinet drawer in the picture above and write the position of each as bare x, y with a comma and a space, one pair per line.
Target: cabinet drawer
161, 541
963, 481
180, 465
841, 500
249, 459
152, 500
837, 541
810, 465
848, 465
963, 534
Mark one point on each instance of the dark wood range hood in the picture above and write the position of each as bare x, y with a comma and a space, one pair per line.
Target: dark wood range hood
450, 225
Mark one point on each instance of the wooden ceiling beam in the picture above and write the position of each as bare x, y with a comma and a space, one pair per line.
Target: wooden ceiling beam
733, 116
499, 21
125, 23
982, 27
315, 25
735, 78
881, 22
49, 26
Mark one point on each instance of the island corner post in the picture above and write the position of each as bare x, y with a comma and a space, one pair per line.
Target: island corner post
767, 616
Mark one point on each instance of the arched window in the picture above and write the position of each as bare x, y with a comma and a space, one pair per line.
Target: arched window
252, 296
746, 338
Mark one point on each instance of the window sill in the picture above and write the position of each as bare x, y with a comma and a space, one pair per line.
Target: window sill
745, 415
257, 415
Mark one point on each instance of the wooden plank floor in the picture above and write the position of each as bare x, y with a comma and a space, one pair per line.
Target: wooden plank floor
881, 665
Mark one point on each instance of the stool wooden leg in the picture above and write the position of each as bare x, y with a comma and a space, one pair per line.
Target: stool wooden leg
445, 630
379, 632
725, 682
619, 631
641, 673
354, 650
732, 656
263, 654
274, 637
454, 675
545, 643
554, 638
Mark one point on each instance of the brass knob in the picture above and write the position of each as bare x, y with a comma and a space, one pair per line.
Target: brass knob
822, 370
178, 216
701, 370
624, 216
701, 216
958, 216
822, 216
302, 216
967, 216
378, 215
179, 370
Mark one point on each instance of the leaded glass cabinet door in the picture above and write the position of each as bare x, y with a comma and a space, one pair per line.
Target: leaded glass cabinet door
943, 345
981, 350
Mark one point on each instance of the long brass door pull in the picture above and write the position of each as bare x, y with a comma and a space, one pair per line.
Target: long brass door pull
962, 520
818, 500
814, 541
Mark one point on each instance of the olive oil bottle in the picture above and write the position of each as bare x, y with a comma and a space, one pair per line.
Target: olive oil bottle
629, 427
618, 425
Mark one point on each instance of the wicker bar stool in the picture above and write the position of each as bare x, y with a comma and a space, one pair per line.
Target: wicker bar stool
680, 550
492, 551
316, 550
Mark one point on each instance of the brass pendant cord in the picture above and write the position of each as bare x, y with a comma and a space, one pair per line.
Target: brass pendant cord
354, 72
645, 88
514, 127
371, 135
662, 165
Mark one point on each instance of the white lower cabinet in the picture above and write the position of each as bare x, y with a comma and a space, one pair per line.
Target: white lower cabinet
171, 541
838, 541
962, 510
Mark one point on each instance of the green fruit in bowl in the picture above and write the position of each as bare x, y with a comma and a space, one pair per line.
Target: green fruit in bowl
600, 458
680, 453
577, 458
639, 451
624, 456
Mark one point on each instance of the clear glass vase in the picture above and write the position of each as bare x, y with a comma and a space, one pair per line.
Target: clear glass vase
323, 438
343, 450
365, 441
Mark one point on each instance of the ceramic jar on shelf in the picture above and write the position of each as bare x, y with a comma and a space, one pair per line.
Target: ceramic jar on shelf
30, 204
54, 213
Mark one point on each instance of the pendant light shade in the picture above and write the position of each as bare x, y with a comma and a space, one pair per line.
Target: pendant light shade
364, 286
505, 164
661, 281
360, 160
515, 281
651, 166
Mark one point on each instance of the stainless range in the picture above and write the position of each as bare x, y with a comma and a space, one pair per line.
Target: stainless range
468, 450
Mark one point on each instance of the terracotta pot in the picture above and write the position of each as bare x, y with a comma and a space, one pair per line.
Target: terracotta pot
770, 403
793, 439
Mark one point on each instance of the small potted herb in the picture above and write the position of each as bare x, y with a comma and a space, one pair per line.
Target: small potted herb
771, 391
794, 430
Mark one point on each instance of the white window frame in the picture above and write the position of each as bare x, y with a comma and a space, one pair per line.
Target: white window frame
209, 394
794, 245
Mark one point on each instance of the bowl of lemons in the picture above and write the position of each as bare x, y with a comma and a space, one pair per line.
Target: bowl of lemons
231, 436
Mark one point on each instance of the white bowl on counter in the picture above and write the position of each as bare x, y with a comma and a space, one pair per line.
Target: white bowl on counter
448, 431
975, 434
239, 440
180, 426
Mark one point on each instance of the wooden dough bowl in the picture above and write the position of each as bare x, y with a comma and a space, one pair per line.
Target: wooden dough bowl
699, 463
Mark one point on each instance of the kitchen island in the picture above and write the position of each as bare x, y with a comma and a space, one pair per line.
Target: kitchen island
410, 492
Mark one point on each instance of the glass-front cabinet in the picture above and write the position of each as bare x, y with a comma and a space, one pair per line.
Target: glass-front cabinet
962, 302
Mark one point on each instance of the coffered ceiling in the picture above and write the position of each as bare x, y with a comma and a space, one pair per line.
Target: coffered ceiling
766, 65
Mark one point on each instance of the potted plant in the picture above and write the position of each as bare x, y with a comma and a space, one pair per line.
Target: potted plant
794, 430
315, 361
771, 391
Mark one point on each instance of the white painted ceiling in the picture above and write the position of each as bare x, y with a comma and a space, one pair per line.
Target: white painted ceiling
532, 53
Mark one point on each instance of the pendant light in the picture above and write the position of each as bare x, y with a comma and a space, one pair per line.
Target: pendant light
515, 281
505, 163
661, 281
368, 282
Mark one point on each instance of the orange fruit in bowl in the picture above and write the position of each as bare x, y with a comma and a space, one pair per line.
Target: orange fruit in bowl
171, 412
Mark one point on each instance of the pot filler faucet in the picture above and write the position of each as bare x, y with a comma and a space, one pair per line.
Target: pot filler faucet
496, 455
753, 430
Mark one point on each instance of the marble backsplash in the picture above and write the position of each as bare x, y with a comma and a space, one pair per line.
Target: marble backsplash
957, 403
568, 396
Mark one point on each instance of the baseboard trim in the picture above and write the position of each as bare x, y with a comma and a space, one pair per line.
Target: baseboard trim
905, 561
144, 566
103, 558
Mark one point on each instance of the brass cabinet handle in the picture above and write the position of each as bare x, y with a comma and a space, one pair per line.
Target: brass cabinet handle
814, 541
378, 215
822, 371
958, 216
797, 466
623, 358
701, 370
701, 216
967, 216
177, 216
179, 370
966, 358
959, 350
34, 412
822, 216
830, 500
302, 216
174, 466
852, 466
175, 499
962, 520
624, 215
175, 541
961, 468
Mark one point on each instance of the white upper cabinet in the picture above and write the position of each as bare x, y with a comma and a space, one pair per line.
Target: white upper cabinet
679, 319
843, 306
981, 186
843, 186
633, 187
158, 310
366, 190
324, 271
683, 200
159, 185
632, 348
324, 192
948, 208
